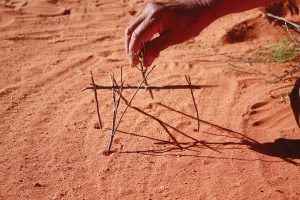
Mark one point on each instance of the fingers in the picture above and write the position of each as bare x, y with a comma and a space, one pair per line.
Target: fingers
131, 28
143, 33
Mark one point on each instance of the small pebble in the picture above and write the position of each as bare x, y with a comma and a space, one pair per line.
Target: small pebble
97, 125
38, 185
132, 12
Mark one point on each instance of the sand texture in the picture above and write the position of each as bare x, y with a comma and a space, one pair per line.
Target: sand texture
249, 143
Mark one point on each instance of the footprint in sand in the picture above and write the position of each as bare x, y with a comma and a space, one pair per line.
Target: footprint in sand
271, 114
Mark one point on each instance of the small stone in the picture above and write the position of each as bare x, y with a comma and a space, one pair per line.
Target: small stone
97, 125
132, 12
38, 185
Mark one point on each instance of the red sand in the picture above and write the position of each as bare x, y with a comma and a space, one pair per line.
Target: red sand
51, 150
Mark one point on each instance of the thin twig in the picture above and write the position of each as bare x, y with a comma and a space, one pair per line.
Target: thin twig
152, 87
114, 113
120, 94
188, 80
284, 20
291, 36
115, 107
143, 68
127, 106
121, 88
97, 102
129, 103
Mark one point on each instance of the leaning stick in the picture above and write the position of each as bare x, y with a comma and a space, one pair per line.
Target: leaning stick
146, 83
291, 36
284, 20
188, 80
97, 102
115, 109
119, 91
127, 106
121, 88
114, 112
152, 87
143, 69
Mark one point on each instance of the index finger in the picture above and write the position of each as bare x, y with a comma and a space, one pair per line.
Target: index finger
143, 33
130, 29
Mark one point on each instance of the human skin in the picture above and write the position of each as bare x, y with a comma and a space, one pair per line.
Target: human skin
175, 23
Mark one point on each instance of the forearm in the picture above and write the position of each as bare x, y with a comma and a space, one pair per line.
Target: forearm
224, 7
220, 8
177, 22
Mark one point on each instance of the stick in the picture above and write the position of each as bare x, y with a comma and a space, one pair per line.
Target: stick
127, 106
152, 87
96, 98
115, 108
284, 20
119, 91
121, 88
146, 83
291, 36
188, 80
114, 114
143, 69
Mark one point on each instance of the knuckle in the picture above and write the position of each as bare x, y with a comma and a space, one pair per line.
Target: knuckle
153, 7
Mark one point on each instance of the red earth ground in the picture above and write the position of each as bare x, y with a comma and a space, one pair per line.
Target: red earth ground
249, 143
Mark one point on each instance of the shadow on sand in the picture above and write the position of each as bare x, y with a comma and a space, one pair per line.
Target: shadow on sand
285, 149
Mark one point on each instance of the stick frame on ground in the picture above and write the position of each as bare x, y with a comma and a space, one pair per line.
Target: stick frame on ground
152, 87
125, 109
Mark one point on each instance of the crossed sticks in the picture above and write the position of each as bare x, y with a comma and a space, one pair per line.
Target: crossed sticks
115, 88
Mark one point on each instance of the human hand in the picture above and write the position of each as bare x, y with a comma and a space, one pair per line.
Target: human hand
175, 23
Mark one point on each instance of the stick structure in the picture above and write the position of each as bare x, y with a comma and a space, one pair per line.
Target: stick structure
115, 88
188, 80
122, 115
152, 87
115, 109
96, 99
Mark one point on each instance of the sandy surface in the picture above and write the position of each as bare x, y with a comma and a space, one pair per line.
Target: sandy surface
249, 144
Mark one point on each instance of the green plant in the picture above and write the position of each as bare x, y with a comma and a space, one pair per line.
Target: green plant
283, 51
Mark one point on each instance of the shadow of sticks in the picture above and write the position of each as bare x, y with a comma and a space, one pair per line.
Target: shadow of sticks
285, 149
